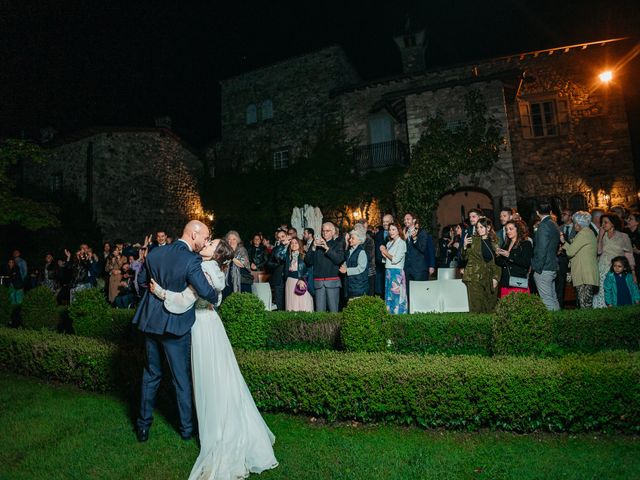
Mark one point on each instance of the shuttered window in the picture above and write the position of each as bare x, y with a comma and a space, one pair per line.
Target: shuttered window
543, 117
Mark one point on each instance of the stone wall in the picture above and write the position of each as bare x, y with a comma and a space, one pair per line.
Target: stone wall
592, 156
299, 89
141, 180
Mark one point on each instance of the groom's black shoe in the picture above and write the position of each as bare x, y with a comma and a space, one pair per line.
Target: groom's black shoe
186, 436
142, 434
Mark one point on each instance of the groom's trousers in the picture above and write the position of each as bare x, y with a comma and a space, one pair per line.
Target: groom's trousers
178, 353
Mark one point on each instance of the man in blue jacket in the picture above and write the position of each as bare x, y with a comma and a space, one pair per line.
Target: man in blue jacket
545, 261
420, 260
174, 267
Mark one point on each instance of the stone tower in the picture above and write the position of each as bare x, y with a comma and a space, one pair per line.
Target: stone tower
412, 47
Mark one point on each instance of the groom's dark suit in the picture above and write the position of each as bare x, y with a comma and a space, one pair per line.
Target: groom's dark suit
173, 267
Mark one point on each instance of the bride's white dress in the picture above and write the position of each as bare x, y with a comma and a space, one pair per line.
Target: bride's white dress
234, 439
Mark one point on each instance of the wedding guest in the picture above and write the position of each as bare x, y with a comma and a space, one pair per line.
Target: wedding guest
15, 282
113, 268
239, 278
369, 246
297, 296
356, 265
394, 253
582, 253
21, 264
381, 238
481, 274
257, 254
612, 242
632, 230
326, 258
275, 266
545, 256
49, 273
308, 237
619, 285
514, 257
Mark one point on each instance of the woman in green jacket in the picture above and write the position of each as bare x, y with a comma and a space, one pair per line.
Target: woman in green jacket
582, 252
481, 274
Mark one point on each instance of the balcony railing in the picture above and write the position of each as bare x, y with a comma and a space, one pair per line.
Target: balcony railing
381, 155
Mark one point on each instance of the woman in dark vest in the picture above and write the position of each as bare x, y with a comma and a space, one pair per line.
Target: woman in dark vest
356, 265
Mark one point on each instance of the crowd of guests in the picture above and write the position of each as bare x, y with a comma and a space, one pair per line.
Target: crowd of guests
591, 249
323, 272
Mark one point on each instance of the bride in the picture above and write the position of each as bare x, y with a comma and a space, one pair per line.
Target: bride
234, 439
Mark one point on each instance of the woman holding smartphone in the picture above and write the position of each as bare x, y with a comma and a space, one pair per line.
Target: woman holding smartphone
395, 283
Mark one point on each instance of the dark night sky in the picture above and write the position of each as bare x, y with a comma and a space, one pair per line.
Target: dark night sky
77, 64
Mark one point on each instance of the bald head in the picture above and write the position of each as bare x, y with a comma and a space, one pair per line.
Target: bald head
196, 234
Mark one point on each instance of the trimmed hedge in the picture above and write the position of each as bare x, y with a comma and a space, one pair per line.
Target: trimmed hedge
91, 315
365, 325
521, 326
40, 309
304, 331
449, 333
573, 393
245, 320
597, 329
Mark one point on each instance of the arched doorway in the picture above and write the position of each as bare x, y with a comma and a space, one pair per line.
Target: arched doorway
454, 206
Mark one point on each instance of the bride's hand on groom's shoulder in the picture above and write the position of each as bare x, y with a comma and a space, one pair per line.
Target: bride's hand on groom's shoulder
152, 286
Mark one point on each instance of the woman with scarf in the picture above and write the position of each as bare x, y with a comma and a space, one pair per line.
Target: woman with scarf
239, 278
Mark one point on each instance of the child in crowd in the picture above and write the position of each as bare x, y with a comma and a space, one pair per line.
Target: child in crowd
619, 287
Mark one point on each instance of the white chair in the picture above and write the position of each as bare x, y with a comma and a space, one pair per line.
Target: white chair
263, 292
453, 295
446, 273
438, 296
424, 296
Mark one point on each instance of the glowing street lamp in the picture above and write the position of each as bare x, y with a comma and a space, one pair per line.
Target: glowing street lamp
606, 76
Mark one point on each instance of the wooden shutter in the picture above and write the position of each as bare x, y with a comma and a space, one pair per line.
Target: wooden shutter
564, 116
525, 119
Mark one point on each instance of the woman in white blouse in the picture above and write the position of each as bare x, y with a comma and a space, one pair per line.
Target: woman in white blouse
395, 282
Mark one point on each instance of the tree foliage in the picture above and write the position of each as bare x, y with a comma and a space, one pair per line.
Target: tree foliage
444, 153
15, 208
325, 176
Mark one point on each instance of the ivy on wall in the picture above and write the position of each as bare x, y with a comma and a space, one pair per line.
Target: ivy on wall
444, 153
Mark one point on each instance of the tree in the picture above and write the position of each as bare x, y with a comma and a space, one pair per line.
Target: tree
443, 154
14, 208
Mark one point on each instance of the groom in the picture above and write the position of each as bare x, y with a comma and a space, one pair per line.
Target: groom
174, 267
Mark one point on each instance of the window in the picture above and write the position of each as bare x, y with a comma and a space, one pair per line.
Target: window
252, 114
543, 117
281, 159
55, 182
267, 109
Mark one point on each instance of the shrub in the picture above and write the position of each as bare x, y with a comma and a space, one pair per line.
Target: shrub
522, 325
39, 309
245, 321
450, 333
5, 306
91, 314
591, 330
574, 393
365, 325
304, 331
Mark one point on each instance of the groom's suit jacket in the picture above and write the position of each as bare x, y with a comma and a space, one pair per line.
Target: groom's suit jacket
173, 267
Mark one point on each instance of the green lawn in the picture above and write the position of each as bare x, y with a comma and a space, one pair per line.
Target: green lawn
57, 432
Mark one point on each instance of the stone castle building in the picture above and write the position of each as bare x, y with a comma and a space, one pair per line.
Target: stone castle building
566, 135
134, 180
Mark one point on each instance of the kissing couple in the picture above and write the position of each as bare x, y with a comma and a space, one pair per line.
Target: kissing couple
178, 317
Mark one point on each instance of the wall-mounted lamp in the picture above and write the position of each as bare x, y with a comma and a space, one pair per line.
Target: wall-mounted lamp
606, 76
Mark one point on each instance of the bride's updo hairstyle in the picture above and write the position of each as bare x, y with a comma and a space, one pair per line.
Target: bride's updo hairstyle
223, 254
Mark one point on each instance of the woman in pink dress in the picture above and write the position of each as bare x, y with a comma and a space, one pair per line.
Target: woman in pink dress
297, 296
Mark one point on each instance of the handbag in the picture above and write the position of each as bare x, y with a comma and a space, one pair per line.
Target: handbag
517, 282
246, 278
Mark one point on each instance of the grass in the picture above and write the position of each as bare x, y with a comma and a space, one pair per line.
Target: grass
57, 432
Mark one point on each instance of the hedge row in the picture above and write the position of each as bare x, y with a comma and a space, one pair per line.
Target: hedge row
573, 393
522, 325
